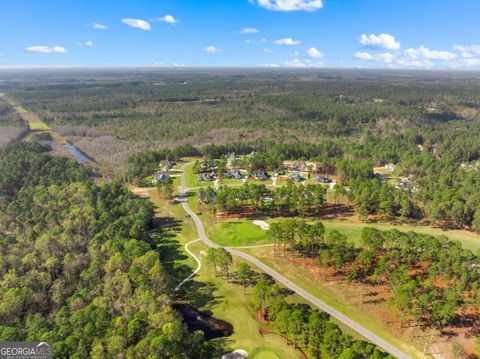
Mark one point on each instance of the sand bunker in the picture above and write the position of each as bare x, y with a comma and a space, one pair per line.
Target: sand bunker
261, 224
237, 354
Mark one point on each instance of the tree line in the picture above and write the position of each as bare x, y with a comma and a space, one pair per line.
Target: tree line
289, 199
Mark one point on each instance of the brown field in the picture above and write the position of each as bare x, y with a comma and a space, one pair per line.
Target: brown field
10, 133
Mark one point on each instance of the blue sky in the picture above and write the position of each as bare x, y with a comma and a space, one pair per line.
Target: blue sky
300, 33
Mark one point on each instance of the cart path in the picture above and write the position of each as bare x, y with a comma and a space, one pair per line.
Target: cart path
199, 265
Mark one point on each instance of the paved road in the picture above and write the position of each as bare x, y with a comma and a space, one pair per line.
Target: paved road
375, 339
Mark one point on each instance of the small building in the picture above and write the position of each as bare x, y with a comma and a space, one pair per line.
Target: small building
160, 177
208, 166
298, 166
260, 175
166, 165
234, 174
322, 179
206, 177
296, 177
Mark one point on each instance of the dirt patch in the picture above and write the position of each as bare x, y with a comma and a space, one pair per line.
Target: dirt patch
197, 320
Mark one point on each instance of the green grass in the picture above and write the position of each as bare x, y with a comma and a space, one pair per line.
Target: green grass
38, 126
191, 178
231, 233
239, 233
469, 240
231, 182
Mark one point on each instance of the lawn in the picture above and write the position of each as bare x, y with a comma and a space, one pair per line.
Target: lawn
237, 233
191, 178
231, 182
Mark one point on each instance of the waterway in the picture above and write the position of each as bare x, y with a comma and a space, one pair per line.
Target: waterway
79, 155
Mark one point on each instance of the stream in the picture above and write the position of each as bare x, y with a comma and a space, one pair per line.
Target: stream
74, 151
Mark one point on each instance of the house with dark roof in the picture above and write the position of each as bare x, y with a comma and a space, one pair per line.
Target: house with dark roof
260, 175
206, 177
296, 177
323, 179
234, 174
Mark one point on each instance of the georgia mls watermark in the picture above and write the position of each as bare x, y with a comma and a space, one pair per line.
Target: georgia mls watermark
25, 350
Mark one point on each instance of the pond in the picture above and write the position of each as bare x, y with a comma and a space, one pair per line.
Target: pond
75, 152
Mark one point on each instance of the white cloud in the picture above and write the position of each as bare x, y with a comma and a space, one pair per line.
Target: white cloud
303, 63
46, 49
362, 55
169, 19
268, 51
289, 5
137, 24
269, 65
468, 52
249, 30
386, 57
212, 49
98, 26
383, 41
426, 53
287, 41
314, 53
86, 43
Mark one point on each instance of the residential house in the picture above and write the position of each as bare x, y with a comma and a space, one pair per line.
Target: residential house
296, 177
234, 174
160, 177
323, 179
166, 165
206, 177
260, 175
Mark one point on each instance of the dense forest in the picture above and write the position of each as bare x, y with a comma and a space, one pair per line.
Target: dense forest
78, 266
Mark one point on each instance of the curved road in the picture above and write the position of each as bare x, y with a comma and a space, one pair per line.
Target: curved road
199, 264
373, 338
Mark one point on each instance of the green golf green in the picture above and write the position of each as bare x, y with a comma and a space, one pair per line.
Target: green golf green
239, 233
